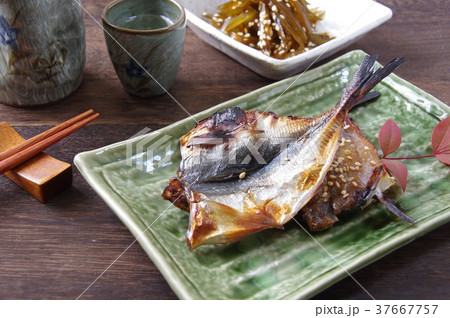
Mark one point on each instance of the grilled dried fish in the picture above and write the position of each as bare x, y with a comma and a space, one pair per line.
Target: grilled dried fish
271, 195
245, 140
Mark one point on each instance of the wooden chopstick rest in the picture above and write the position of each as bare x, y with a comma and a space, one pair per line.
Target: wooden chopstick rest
23, 155
42, 176
32, 141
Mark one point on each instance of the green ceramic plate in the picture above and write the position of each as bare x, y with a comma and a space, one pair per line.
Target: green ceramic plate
276, 264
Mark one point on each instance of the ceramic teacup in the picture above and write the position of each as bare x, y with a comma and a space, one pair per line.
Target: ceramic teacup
145, 42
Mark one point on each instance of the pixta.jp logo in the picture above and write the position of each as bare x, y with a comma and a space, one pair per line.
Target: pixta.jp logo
150, 152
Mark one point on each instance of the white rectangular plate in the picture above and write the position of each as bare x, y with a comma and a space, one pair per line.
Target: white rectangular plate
346, 20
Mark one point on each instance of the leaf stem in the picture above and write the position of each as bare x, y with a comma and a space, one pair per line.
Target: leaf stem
406, 158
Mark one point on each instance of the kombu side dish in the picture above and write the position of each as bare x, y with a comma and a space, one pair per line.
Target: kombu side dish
279, 29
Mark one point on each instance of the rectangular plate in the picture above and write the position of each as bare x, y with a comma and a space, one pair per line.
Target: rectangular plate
346, 20
276, 264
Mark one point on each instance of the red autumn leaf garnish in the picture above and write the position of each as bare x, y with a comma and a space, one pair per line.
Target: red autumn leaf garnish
440, 138
440, 141
389, 137
444, 157
399, 170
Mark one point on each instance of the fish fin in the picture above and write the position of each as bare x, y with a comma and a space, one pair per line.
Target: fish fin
368, 97
390, 205
175, 193
365, 79
212, 222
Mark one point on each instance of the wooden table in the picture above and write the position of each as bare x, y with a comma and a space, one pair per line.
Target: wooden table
56, 250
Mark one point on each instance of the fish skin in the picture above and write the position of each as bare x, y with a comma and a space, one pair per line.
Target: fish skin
233, 141
229, 210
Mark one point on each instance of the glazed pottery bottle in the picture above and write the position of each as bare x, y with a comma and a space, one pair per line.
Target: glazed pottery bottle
42, 50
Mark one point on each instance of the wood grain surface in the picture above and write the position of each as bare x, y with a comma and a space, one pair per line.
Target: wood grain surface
56, 250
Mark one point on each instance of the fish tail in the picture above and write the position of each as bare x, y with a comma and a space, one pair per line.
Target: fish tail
368, 97
364, 80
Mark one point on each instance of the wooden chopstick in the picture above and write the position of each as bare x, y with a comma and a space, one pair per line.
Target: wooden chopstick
27, 143
20, 157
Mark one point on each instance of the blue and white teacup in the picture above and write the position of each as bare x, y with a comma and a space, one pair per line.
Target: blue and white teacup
145, 42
